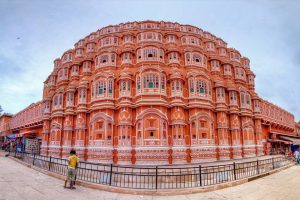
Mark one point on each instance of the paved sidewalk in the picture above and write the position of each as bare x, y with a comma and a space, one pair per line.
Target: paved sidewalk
20, 182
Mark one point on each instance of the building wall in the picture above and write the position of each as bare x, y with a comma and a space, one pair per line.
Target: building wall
154, 93
27, 121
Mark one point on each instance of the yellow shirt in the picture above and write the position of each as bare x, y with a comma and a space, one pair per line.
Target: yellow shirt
73, 160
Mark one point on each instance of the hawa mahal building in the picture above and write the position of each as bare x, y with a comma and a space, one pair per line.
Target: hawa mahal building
153, 93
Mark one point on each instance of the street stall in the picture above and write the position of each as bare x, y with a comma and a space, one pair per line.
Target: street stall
31, 142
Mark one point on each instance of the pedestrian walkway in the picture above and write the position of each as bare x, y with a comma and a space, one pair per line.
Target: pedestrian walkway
20, 182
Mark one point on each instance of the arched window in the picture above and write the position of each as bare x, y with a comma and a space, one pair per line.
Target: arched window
220, 94
176, 87
70, 98
90, 47
108, 41
60, 99
107, 59
79, 52
82, 95
87, 66
66, 72
201, 129
113, 57
92, 36
232, 98
173, 57
110, 86
251, 79
242, 98
248, 99
104, 59
75, 70
151, 81
126, 58
149, 36
215, 65
171, 39
201, 87
222, 51
187, 58
150, 54
138, 82
101, 87
67, 57
191, 82
210, 46
128, 39
162, 82
195, 59
60, 74
123, 86
227, 70
245, 99
234, 56
190, 40
55, 101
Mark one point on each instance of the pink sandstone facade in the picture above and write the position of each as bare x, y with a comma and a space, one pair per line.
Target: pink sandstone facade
153, 93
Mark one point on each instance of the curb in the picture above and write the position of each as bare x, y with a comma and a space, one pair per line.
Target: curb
160, 192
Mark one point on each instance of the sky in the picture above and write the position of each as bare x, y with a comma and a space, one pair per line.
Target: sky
34, 33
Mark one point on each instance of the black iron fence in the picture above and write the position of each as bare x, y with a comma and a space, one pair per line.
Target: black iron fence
155, 177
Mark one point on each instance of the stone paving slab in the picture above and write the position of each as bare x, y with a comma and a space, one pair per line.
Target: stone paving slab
20, 182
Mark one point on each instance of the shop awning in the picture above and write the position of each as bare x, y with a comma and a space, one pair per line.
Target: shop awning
282, 141
11, 136
292, 139
29, 134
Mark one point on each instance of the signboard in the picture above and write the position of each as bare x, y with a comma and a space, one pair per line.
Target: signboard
32, 145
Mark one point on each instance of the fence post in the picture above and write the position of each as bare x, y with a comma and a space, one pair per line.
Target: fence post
33, 159
234, 170
110, 177
50, 163
200, 175
257, 167
273, 163
156, 177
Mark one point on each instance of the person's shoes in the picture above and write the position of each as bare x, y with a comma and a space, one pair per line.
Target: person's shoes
73, 188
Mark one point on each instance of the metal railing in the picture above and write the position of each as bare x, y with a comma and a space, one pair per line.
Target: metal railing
155, 177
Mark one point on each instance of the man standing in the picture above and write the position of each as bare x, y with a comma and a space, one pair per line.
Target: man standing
72, 165
296, 156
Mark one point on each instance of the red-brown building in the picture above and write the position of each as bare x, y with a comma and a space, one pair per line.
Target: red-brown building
4, 124
24, 127
155, 93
